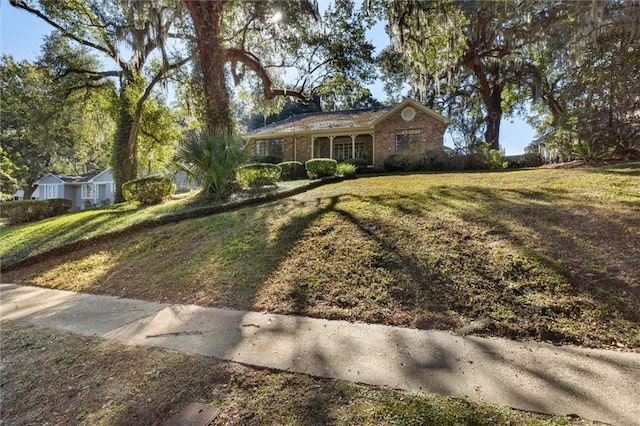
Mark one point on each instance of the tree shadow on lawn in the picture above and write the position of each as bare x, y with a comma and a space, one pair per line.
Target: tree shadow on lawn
591, 248
624, 169
532, 263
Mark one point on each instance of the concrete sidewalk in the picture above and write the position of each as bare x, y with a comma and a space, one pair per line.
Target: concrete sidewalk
594, 384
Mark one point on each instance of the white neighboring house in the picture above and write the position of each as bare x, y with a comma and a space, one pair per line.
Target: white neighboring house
84, 191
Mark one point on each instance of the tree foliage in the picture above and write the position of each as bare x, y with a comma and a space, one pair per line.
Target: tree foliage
129, 34
587, 84
474, 51
277, 49
48, 128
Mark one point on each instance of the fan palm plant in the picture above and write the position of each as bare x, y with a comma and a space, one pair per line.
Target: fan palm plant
211, 160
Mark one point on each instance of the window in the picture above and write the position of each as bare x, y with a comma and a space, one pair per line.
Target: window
342, 148
50, 191
269, 147
87, 192
407, 138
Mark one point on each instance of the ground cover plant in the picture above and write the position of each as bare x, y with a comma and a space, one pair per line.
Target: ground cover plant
68, 379
546, 254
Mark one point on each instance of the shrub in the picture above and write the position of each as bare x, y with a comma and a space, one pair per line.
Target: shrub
397, 162
345, 169
320, 167
258, 175
271, 159
292, 170
211, 160
58, 206
148, 190
524, 160
25, 210
493, 160
360, 163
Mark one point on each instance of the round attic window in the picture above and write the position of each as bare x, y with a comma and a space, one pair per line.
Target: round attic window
408, 113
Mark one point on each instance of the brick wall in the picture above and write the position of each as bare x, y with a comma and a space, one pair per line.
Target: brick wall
287, 148
303, 148
431, 133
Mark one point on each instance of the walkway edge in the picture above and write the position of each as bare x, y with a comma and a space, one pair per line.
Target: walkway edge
591, 383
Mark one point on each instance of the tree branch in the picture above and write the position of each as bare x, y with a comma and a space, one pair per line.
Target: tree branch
159, 76
248, 59
24, 6
93, 75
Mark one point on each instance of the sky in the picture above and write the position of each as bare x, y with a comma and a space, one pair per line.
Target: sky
21, 36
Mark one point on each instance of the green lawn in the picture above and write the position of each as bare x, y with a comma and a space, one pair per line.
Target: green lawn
31, 239
546, 254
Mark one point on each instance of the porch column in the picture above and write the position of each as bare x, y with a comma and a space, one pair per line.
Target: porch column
353, 146
373, 148
331, 146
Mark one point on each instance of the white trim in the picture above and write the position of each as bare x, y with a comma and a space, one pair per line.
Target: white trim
416, 105
92, 195
408, 113
101, 173
295, 148
53, 187
48, 174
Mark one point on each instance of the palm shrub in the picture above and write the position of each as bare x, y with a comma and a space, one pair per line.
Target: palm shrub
211, 160
360, 163
345, 169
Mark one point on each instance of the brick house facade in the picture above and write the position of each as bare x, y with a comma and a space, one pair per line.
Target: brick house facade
371, 134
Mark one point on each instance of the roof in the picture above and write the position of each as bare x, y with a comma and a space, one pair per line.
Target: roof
67, 179
322, 121
336, 120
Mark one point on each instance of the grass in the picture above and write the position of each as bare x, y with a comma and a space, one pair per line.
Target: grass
60, 378
545, 254
33, 239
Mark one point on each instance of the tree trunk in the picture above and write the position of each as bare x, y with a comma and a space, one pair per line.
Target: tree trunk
207, 19
494, 116
125, 159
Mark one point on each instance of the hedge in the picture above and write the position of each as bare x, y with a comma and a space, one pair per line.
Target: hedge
397, 162
58, 206
33, 210
292, 170
320, 167
148, 190
258, 175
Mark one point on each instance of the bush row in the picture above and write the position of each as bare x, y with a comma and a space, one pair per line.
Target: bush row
256, 175
33, 210
482, 159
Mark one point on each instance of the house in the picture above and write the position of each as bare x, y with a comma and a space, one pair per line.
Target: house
84, 191
371, 134
18, 195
